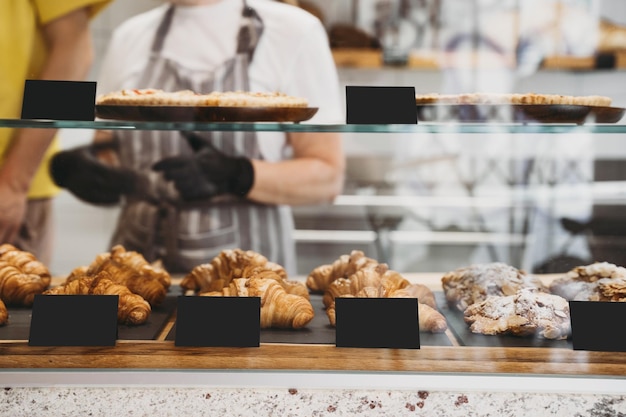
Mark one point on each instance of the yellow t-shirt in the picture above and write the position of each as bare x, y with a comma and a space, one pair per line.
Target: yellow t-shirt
23, 54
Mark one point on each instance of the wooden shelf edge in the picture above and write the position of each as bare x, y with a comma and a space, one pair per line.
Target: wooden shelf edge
165, 355
372, 59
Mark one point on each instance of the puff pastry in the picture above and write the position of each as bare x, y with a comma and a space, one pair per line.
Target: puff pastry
22, 276
129, 268
525, 313
384, 283
131, 308
279, 309
471, 284
600, 281
4, 314
320, 278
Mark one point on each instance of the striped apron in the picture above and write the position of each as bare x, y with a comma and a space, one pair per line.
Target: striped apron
158, 223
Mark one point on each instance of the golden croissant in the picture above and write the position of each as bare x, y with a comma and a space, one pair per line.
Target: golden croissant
131, 307
384, 283
236, 263
374, 276
278, 308
228, 265
4, 314
21, 276
430, 319
130, 268
320, 278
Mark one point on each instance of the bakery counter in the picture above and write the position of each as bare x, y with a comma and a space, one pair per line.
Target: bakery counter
151, 346
446, 376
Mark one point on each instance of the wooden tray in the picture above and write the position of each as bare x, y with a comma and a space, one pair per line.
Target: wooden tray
526, 113
205, 114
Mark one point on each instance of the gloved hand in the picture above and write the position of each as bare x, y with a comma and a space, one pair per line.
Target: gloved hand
80, 172
207, 172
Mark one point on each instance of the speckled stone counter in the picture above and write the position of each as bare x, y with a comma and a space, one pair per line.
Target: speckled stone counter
58, 401
465, 395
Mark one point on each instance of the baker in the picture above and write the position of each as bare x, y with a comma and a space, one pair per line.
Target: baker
185, 196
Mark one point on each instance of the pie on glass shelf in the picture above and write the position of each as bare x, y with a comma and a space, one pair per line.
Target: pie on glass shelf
512, 98
156, 97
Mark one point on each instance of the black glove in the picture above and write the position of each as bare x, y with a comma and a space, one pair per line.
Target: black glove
207, 172
80, 172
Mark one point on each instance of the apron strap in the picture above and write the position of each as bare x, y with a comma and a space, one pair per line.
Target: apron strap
162, 30
250, 32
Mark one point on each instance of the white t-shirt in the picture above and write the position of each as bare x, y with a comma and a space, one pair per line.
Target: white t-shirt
292, 56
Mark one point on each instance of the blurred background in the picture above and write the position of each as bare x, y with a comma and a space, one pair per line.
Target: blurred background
435, 202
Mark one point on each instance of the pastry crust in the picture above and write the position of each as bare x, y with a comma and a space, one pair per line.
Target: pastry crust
156, 97
468, 285
512, 98
528, 312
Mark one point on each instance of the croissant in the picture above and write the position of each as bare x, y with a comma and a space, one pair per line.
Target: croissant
130, 268
423, 294
368, 277
228, 265
21, 276
131, 307
380, 282
320, 278
393, 280
278, 308
430, 319
4, 314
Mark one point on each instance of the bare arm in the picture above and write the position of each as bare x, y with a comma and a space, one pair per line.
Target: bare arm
69, 58
315, 175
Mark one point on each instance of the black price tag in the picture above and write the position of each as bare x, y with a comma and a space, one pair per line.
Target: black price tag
74, 320
377, 323
218, 321
594, 325
605, 61
380, 105
59, 100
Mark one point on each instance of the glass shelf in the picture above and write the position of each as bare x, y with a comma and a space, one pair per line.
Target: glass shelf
305, 127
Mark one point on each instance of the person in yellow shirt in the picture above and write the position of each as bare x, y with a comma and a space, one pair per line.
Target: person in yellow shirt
39, 39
